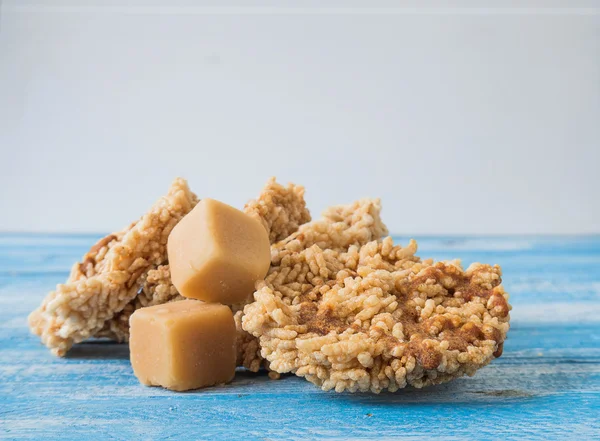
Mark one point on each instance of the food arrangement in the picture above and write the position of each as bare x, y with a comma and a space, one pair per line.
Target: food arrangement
199, 287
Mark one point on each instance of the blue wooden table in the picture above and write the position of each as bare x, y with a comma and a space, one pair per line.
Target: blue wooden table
545, 386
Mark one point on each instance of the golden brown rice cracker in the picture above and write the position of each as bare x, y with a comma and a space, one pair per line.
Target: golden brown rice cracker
155, 289
108, 278
385, 321
341, 227
280, 209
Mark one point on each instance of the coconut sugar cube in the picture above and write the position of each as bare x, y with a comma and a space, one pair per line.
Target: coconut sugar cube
183, 345
217, 253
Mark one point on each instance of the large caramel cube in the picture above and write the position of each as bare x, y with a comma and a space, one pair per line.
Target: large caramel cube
183, 345
217, 253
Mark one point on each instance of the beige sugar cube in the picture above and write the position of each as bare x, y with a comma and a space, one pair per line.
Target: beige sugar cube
183, 345
217, 253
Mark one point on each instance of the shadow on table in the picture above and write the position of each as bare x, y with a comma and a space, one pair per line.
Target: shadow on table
458, 391
99, 349
462, 390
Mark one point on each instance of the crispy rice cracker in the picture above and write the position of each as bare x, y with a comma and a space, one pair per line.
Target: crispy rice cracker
280, 209
339, 228
109, 276
377, 317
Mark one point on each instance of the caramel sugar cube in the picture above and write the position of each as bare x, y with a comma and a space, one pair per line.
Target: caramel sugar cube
217, 253
183, 345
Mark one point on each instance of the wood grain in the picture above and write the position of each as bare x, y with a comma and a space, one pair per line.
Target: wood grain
545, 386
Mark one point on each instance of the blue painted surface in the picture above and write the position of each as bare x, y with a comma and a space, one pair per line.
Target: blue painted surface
545, 386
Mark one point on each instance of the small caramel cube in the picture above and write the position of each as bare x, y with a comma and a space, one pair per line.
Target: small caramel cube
217, 253
183, 345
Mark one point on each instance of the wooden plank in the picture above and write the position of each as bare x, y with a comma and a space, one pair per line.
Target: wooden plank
545, 386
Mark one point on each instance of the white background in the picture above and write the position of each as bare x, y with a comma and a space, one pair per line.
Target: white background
462, 120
